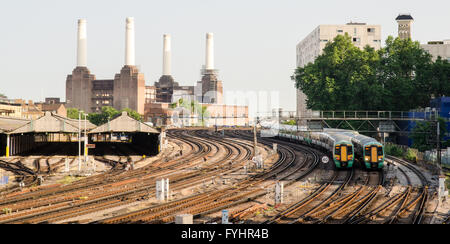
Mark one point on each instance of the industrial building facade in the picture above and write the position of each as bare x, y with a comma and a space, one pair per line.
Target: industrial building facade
128, 89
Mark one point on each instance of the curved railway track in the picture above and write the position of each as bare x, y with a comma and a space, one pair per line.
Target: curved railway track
202, 156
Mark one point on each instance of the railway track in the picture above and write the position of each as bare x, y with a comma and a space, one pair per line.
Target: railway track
207, 156
123, 195
215, 200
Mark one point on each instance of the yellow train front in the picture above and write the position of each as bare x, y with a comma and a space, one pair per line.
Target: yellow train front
343, 154
373, 155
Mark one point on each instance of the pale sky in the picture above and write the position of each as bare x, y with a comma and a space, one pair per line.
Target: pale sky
254, 39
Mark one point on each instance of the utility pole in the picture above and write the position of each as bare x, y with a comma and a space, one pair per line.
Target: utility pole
79, 141
438, 151
255, 142
85, 140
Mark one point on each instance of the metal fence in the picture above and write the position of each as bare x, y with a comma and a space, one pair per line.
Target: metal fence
431, 156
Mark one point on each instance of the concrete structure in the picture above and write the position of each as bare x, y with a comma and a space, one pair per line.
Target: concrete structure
166, 85
438, 48
125, 129
55, 108
167, 55
217, 114
21, 135
150, 94
82, 44
129, 85
78, 85
209, 64
129, 42
129, 89
184, 219
86, 93
404, 25
78, 89
10, 108
102, 94
30, 110
210, 88
312, 46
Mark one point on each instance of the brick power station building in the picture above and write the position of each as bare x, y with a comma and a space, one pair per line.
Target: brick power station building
128, 89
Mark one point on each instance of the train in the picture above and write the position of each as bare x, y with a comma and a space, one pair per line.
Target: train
339, 145
368, 150
346, 146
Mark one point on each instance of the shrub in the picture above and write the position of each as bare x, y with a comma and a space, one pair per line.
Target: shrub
393, 150
411, 154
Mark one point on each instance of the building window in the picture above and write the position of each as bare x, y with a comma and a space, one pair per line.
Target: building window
340, 31
371, 30
356, 39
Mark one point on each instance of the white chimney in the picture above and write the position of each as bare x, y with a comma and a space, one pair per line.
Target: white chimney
129, 42
209, 51
166, 56
82, 44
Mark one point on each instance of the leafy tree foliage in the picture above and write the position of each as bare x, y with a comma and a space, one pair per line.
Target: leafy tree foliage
107, 114
421, 135
72, 113
194, 108
400, 76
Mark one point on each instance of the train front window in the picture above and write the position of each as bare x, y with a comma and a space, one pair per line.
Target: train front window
337, 150
380, 151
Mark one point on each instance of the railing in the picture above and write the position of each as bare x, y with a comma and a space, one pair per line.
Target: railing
353, 115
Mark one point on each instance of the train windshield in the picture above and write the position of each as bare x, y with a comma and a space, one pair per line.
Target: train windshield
343, 152
373, 153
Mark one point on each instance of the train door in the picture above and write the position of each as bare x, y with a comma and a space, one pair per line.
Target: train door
344, 153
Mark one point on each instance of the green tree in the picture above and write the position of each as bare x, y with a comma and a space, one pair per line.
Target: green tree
424, 131
405, 73
72, 113
440, 81
133, 114
108, 113
400, 76
194, 107
344, 77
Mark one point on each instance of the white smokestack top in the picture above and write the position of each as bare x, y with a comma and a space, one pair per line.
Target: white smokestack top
82, 44
209, 51
167, 56
129, 42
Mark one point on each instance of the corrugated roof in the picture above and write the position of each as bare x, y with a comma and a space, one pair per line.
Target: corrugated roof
47, 123
10, 123
74, 122
124, 123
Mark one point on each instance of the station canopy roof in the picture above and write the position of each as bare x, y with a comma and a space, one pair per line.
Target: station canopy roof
8, 124
51, 123
124, 123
